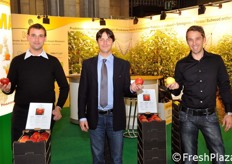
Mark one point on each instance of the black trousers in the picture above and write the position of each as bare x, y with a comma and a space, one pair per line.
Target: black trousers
19, 120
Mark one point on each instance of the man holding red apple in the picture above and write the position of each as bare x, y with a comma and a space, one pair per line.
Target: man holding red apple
32, 76
108, 120
199, 75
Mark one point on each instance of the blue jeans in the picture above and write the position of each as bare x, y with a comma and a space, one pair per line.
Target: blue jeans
97, 140
209, 126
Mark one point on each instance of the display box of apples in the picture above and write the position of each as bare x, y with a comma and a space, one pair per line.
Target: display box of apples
151, 138
151, 129
34, 146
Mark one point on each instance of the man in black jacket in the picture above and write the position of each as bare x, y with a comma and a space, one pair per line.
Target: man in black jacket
110, 119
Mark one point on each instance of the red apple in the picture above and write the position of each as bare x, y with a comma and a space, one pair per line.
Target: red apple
154, 116
158, 119
142, 117
4, 81
144, 120
42, 138
33, 139
45, 135
35, 135
24, 138
139, 81
150, 119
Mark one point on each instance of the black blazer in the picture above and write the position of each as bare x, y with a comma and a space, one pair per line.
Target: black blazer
88, 92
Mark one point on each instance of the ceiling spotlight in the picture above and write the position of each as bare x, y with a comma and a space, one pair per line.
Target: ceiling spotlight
201, 9
135, 20
102, 22
220, 5
163, 15
46, 20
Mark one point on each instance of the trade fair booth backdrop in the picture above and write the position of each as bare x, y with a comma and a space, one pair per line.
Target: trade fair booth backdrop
6, 102
152, 45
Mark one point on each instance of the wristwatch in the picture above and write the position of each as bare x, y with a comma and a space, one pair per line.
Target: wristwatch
229, 113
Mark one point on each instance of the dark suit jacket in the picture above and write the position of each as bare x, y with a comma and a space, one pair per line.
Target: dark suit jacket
88, 92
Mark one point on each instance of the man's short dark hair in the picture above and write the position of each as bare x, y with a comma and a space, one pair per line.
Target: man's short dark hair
37, 26
107, 31
196, 28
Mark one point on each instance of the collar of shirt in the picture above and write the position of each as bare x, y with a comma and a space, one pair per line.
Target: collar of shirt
206, 54
109, 58
29, 54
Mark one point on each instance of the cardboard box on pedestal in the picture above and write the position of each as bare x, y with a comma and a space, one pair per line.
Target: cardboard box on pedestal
165, 111
36, 148
151, 132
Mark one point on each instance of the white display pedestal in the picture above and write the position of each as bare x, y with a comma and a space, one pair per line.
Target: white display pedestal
74, 85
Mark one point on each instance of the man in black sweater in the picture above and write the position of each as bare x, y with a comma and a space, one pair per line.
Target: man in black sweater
32, 76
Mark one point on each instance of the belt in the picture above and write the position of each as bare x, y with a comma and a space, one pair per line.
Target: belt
198, 112
105, 112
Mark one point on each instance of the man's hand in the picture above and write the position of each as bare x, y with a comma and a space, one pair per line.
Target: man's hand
84, 125
135, 88
227, 122
5, 88
57, 114
173, 86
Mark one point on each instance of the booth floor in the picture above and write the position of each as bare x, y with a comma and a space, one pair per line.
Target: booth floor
70, 145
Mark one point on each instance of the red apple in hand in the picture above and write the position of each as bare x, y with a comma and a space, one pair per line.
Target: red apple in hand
4, 81
139, 81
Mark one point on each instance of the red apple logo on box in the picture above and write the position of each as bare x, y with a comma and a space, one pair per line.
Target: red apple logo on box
39, 111
146, 97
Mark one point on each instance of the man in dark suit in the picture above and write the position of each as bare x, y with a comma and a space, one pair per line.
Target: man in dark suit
110, 119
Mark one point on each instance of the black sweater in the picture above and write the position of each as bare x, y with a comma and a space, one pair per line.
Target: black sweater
34, 79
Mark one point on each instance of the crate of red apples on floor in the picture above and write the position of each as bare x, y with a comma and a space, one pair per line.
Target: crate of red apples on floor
34, 146
151, 130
